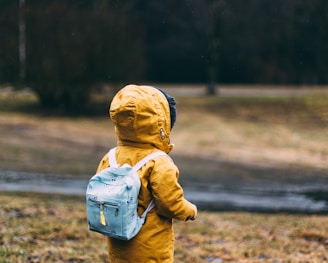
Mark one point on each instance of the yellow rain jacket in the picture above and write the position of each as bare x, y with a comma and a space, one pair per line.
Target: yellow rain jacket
141, 117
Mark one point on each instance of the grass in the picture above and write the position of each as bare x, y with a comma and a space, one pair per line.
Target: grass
278, 132
260, 131
37, 228
273, 131
59, 234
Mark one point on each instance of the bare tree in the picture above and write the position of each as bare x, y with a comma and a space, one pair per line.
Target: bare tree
21, 41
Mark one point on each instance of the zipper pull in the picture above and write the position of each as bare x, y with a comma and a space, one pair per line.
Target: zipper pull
102, 216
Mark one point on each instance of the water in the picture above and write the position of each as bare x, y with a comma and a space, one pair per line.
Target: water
265, 197
272, 198
42, 183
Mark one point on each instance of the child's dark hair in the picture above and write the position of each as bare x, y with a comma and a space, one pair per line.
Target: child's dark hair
172, 103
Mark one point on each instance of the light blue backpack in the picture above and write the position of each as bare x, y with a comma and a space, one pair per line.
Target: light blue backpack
112, 199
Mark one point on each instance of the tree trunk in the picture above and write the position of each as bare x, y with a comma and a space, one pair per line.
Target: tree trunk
211, 86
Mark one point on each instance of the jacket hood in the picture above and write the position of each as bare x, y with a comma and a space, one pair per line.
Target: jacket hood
141, 115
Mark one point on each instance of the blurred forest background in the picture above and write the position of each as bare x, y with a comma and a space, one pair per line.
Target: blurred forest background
259, 144
64, 49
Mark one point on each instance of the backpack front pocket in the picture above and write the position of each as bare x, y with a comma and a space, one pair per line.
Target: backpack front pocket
105, 217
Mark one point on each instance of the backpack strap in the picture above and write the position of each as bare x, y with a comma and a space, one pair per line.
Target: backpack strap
144, 214
136, 167
112, 157
146, 159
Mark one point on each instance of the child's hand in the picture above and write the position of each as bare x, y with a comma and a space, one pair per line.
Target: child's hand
195, 215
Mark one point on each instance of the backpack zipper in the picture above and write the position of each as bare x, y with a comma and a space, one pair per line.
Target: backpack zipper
101, 209
102, 216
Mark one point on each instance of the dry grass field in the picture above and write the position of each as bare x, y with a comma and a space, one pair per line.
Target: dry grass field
286, 131
283, 131
37, 228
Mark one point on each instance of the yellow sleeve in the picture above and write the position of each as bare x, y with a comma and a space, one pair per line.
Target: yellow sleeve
168, 193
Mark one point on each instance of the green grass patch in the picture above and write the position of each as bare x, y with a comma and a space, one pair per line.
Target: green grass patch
26, 101
11, 101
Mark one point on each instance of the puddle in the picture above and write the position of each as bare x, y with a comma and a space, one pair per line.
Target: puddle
261, 198
43, 183
265, 197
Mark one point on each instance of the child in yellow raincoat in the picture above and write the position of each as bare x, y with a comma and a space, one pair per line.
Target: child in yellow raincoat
143, 117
